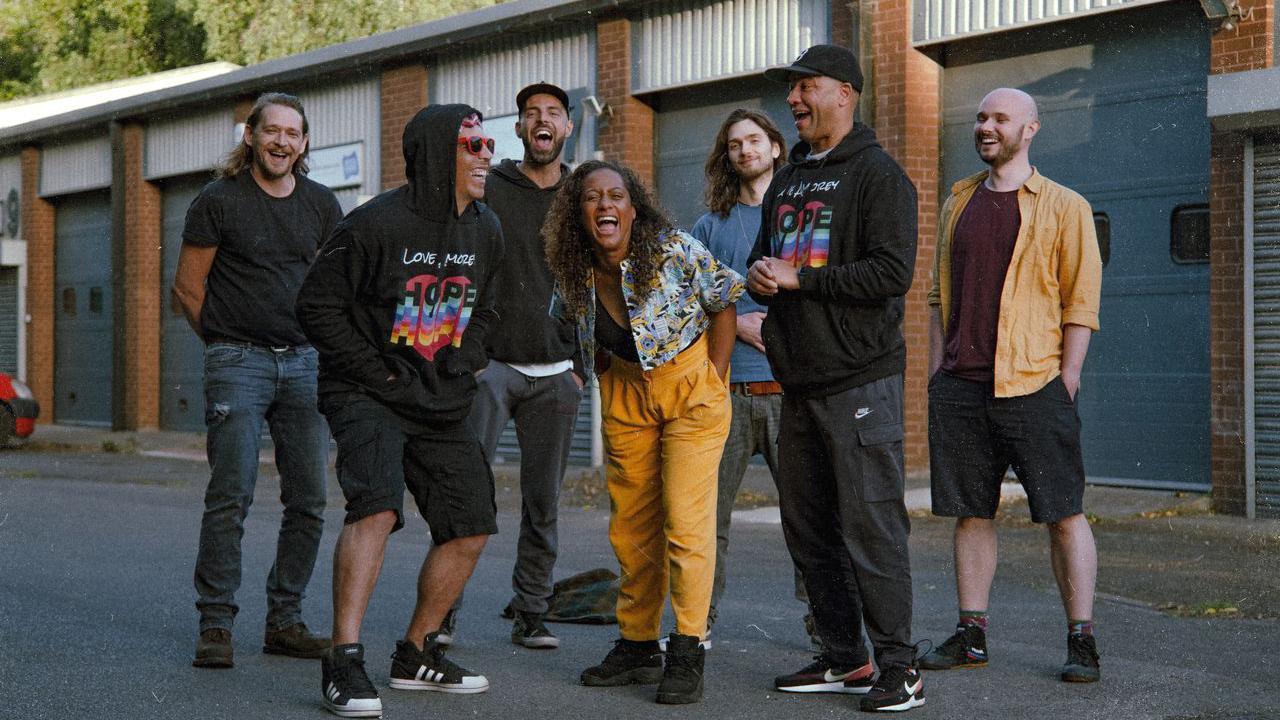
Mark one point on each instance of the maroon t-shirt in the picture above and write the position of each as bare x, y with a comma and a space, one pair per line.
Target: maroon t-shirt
981, 248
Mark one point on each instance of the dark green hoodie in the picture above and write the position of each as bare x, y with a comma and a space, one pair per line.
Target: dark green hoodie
405, 287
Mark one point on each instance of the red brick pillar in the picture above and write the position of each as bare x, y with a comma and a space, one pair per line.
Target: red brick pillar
404, 93
907, 120
626, 136
1249, 46
37, 230
138, 325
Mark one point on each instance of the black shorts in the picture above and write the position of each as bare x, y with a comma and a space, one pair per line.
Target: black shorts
443, 468
975, 437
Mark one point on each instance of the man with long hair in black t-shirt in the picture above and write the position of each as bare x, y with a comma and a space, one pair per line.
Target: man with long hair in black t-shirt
248, 240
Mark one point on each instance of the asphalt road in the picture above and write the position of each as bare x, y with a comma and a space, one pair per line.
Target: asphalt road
97, 621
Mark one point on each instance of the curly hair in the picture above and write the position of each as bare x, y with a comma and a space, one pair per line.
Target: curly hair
569, 244
722, 179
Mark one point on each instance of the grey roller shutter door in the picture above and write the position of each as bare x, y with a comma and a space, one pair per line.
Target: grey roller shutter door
83, 325
9, 323
1266, 328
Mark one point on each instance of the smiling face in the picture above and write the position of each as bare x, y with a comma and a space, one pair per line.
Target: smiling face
543, 127
277, 142
822, 108
750, 151
1006, 122
470, 168
607, 212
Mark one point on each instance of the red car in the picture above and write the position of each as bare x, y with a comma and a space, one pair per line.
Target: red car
18, 409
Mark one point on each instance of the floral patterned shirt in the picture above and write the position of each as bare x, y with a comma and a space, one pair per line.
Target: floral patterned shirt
669, 317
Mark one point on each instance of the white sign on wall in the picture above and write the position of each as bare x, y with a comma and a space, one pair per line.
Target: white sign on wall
338, 166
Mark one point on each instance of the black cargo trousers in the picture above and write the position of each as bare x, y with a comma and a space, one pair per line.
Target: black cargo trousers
840, 487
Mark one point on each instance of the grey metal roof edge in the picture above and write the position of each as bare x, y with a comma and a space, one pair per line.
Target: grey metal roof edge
344, 58
1242, 100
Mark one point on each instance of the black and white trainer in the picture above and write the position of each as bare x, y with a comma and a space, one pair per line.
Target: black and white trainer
429, 669
899, 688
346, 687
825, 675
528, 630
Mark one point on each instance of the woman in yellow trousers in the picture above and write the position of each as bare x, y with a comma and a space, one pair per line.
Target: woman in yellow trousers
659, 307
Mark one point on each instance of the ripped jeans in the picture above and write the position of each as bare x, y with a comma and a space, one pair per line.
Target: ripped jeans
246, 386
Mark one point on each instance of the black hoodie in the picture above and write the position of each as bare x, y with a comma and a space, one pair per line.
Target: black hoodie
528, 331
406, 287
848, 220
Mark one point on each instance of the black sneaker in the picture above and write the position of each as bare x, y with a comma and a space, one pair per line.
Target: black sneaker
346, 687
899, 687
826, 675
966, 648
448, 628
528, 630
429, 669
630, 661
682, 676
1082, 659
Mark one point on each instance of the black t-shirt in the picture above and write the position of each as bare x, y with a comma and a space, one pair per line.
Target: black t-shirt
980, 253
265, 245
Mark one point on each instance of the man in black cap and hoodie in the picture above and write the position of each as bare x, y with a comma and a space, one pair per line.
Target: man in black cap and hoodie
398, 304
833, 261
531, 377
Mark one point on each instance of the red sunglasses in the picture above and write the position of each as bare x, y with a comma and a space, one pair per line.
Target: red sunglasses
475, 143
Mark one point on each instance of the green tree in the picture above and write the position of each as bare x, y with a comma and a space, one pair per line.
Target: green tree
252, 31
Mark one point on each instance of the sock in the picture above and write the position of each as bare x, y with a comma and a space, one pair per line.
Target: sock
977, 618
1079, 627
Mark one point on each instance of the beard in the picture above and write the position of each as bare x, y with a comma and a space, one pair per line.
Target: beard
1007, 148
750, 174
536, 157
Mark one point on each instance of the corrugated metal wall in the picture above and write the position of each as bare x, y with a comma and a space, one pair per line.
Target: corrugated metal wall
1266, 329
10, 179
76, 165
489, 77
691, 41
940, 20
188, 144
347, 114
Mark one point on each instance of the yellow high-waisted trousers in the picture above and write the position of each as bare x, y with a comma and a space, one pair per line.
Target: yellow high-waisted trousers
664, 431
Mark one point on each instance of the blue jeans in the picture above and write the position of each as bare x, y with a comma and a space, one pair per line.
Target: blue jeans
244, 387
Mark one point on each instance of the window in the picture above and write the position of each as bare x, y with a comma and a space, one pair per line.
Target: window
1189, 234
95, 300
1102, 228
69, 301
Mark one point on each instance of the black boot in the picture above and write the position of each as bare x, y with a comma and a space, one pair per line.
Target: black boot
630, 661
682, 677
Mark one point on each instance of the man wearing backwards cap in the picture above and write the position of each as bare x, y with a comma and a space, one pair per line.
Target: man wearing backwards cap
833, 261
531, 376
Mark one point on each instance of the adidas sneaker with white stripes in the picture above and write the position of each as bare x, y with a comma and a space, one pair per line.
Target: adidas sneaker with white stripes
429, 669
347, 690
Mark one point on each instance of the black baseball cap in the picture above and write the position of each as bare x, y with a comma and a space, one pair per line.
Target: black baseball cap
830, 60
541, 88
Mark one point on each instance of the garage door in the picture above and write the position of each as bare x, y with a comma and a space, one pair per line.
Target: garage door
1122, 100
83, 351
9, 322
181, 352
685, 128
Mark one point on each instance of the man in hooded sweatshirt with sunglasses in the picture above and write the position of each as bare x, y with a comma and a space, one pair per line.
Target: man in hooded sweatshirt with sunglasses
398, 304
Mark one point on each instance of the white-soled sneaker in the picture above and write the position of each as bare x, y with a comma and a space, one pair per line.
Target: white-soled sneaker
346, 687
429, 669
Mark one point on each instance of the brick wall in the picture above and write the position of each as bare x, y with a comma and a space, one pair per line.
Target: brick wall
908, 123
1250, 46
627, 135
404, 93
37, 229
138, 327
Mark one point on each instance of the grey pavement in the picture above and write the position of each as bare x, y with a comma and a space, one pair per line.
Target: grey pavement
97, 618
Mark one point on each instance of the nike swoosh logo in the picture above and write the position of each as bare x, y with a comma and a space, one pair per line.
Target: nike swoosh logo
862, 412
913, 689
828, 677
